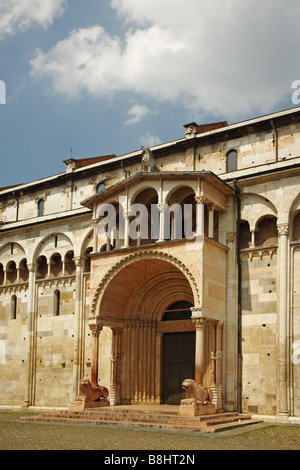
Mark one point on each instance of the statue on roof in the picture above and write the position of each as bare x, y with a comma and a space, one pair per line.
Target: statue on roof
148, 161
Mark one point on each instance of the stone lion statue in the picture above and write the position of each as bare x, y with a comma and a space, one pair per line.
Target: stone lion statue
148, 162
195, 394
93, 392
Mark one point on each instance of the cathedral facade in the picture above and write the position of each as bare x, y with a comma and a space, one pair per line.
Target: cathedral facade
142, 270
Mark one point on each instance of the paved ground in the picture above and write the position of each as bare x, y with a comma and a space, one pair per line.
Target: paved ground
18, 435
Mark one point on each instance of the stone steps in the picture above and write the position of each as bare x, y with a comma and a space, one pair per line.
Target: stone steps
147, 419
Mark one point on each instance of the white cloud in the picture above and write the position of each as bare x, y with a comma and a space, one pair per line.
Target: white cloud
137, 113
226, 58
20, 15
149, 140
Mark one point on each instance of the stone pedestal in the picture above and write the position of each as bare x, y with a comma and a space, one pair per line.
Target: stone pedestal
82, 403
197, 410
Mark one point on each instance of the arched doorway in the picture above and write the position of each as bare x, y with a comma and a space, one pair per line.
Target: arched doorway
178, 354
136, 303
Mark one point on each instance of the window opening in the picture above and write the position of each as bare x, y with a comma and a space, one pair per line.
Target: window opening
231, 160
41, 205
57, 303
178, 311
13, 307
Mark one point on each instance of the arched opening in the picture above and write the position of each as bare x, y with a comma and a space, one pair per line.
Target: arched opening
41, 267
138, 298
1, 274
55, 265
70, 267
141, 226
23, 271
111, 227
180, 222
296, 227
245, 234
41, 206
11, 272
266, 232
231, 160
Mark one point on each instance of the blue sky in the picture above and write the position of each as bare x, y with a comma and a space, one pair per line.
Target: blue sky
106, 77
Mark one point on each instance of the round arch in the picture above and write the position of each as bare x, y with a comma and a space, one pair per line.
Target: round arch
156, 269
39, 248
7, 247
182, 190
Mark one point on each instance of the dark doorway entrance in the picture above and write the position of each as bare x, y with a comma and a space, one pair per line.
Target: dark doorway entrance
178, 364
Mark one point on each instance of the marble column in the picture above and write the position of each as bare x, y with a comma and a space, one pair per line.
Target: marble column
162, 209
283, 407
96, 330
200, 207
77, 330
114, 394
30, 337
95, 234
199, 323
211, 211
126, 215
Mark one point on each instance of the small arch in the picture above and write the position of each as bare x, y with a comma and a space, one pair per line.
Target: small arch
23, 270
70, 267
56, 303
41, 267
142, 233
50, 242
11, 272
182, 214
111, 225
56, 265
231, 160
266, 232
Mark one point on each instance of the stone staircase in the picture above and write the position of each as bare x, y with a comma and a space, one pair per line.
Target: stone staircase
160, 419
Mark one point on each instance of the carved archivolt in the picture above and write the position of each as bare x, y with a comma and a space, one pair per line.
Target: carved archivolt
137, 257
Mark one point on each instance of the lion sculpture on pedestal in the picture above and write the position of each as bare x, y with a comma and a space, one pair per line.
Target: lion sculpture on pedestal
91, 396
93, 392
195, 394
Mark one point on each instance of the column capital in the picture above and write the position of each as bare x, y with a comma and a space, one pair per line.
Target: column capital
211, 207
127, 214
78, 260
200, 199
31, 267
162, 206
199, 323
283, 229
95, 329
